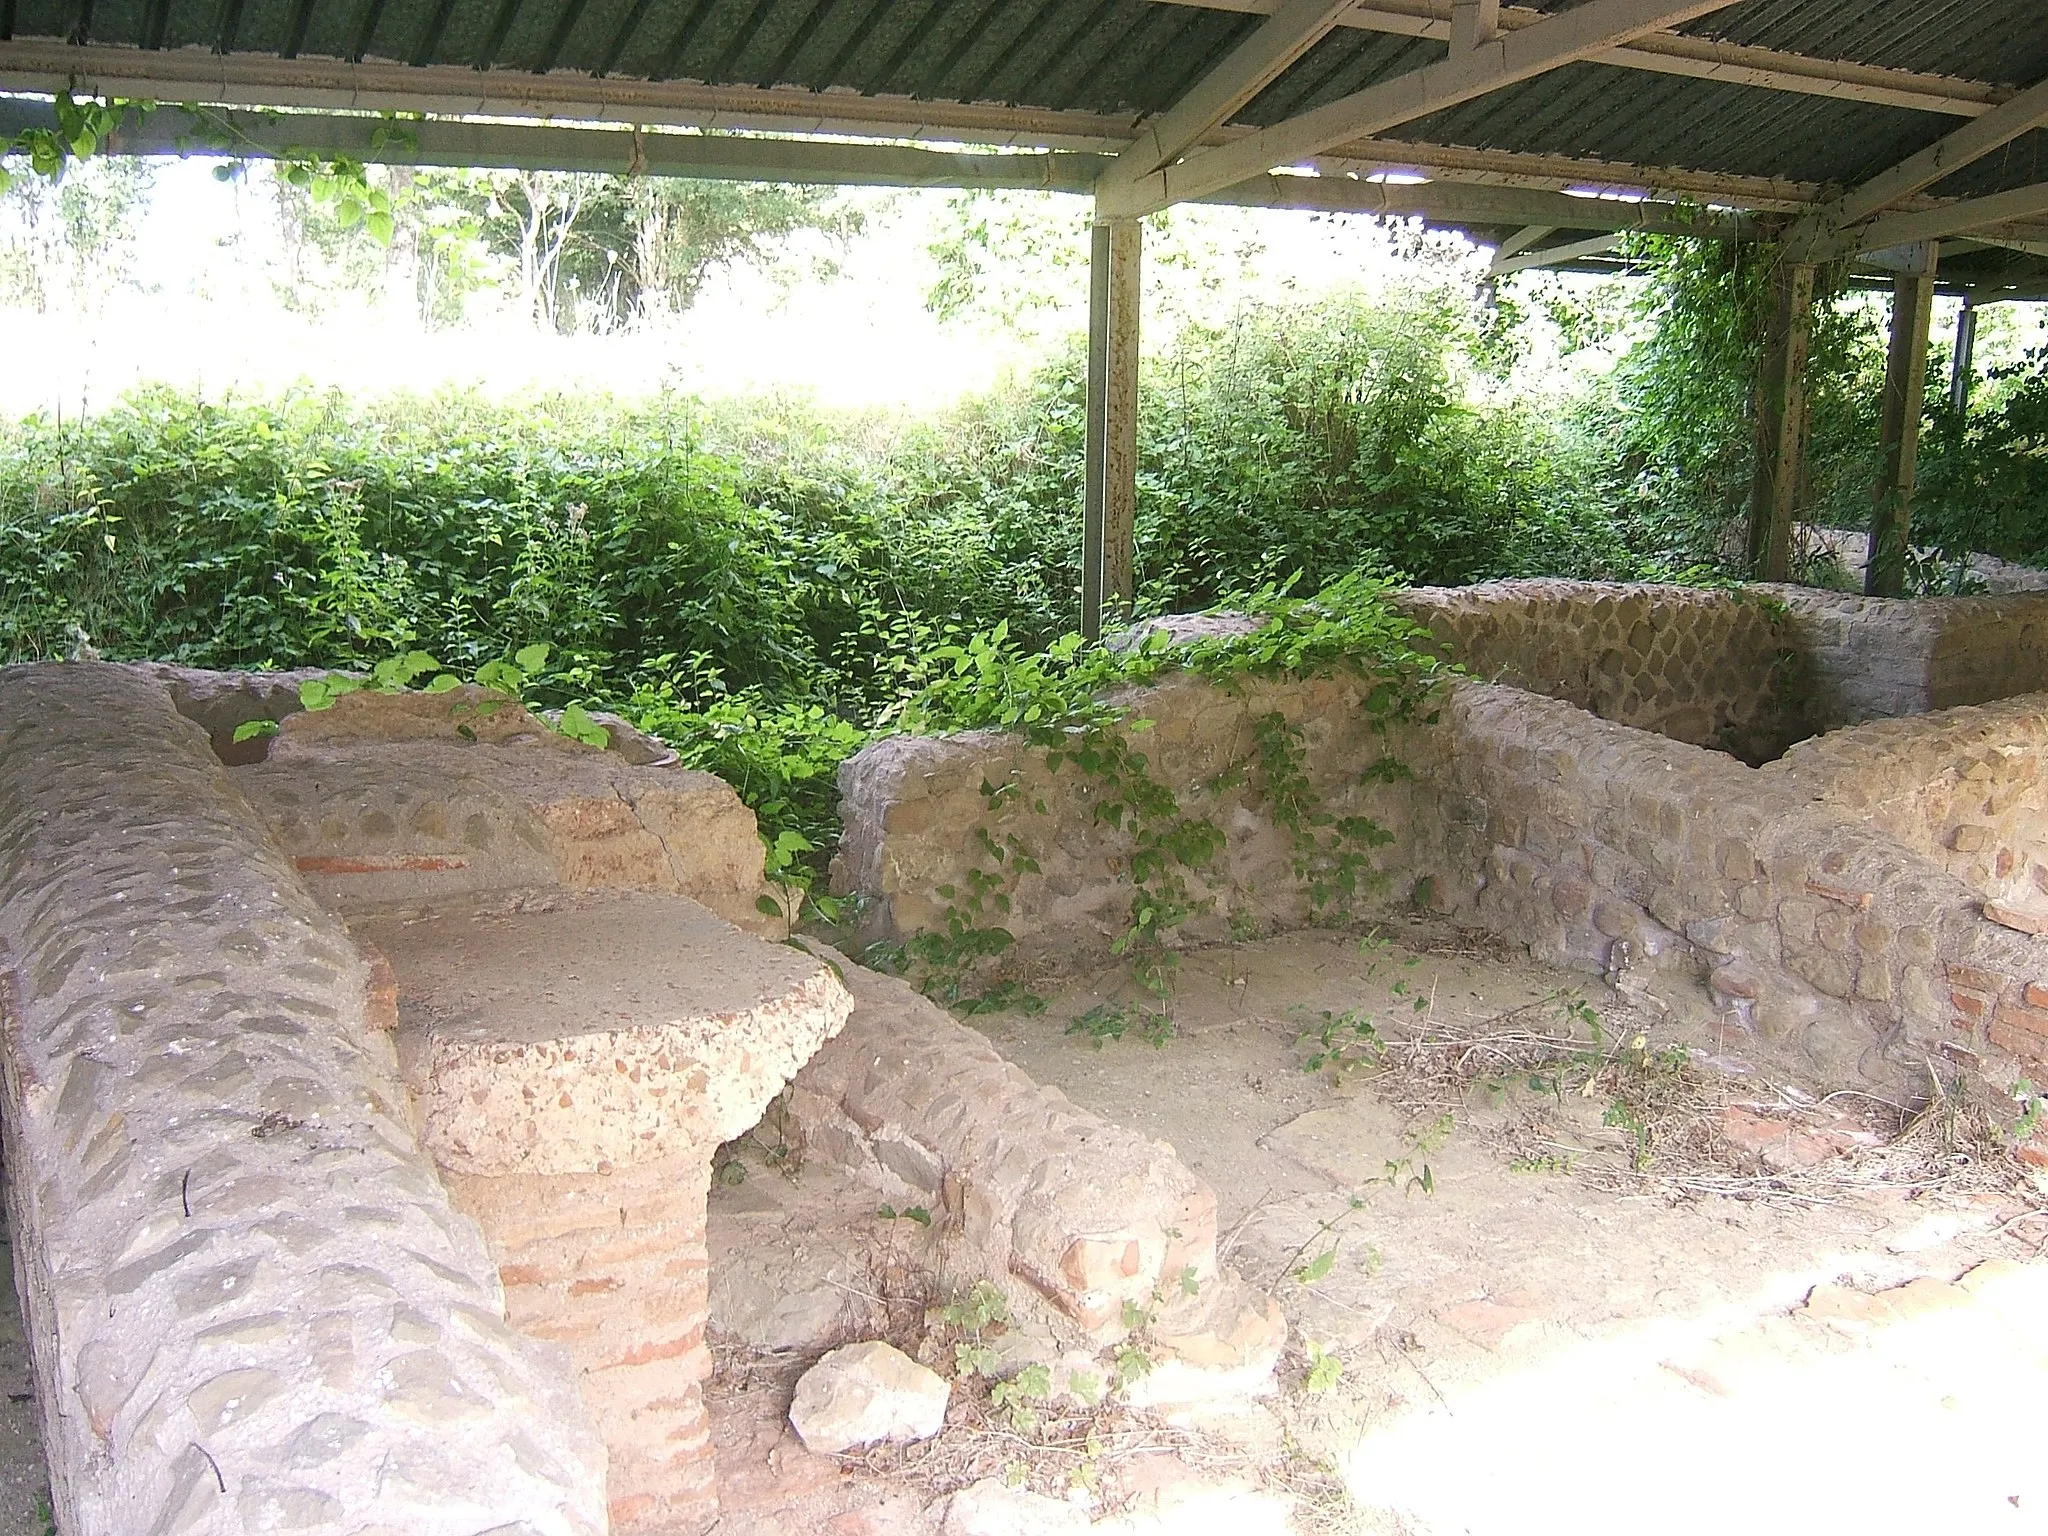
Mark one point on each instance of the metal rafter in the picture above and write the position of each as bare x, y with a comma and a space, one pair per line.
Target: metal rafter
1294, 28
1564, 38
1699, 58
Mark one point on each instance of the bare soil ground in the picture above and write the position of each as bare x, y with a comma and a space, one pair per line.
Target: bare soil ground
1535, 1283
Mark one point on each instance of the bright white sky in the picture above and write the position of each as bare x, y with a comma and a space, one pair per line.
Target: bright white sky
206, 313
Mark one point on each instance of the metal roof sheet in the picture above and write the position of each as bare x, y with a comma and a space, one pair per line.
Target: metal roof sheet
1121, 60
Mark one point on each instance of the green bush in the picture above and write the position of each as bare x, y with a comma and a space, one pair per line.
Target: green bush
761, 582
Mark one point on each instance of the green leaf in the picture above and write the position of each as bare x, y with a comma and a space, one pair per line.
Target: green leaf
531, 658
577, 725
249, 730
320, 692
1318, 1267
504, 676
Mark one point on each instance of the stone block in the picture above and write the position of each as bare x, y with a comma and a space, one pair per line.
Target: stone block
576, 1120
229, 1267
867, 1394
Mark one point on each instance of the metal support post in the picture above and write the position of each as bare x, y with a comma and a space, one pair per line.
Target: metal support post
1781, 424
1962, 371
1905, 382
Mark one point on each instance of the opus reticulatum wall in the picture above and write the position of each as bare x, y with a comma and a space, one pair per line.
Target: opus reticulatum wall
1818, 911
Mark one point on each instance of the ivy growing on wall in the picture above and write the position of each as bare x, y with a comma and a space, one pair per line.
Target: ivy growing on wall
1062, 703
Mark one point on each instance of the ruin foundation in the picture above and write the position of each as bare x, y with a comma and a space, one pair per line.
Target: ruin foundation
1825, 910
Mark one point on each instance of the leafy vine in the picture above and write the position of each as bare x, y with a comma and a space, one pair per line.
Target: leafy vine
1059, 703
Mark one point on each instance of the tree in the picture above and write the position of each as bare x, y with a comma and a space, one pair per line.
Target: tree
599, 253
72, 238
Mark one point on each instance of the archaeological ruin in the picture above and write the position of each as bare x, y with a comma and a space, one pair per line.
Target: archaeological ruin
365, 1083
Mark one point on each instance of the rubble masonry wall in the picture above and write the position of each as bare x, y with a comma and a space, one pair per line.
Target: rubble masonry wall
1716, 667
1868, 658
250, 1304
1827, 940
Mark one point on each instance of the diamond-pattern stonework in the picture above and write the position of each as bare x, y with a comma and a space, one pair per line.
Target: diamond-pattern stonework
1826, 911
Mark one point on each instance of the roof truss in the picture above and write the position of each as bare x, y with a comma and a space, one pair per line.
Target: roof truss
1563, 38
1701, 58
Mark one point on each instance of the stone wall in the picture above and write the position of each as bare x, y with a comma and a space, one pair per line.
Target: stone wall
427, 797
1711, 666
1965, 787
1826, 944
1870, 658
1080, 1222
910, 806
251, 1305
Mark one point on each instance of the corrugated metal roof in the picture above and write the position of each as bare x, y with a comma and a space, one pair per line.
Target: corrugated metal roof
1130, 58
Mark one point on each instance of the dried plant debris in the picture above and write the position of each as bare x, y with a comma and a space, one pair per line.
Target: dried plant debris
1561, 1088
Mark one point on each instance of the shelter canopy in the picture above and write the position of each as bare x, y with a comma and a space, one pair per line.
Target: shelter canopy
1862, 124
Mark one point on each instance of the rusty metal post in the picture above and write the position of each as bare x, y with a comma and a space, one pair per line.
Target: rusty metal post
1905, 382
1780, 423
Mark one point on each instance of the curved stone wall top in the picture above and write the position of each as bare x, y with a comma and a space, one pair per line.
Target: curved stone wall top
251, 1306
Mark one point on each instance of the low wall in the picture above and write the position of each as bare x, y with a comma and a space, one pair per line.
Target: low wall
1081, 1223
1871, 658
1745, 670
1715, 667
250, 1304
1827, 944
1967, 788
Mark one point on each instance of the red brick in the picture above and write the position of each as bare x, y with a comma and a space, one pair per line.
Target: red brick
1976, 980
2036, 994
1841, 893
1967, 1003
2019, 1042
413, 863
2031, 1020
658, 1349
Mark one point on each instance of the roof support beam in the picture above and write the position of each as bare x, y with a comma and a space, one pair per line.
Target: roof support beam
1564, 38
1473, 22
1781, 424
1521, 240
1966, 217
1109, 502
825, 162
1293, 29
615, 151
1451, 203
1969, 143
1699, 58
1552, 255
1905, 384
